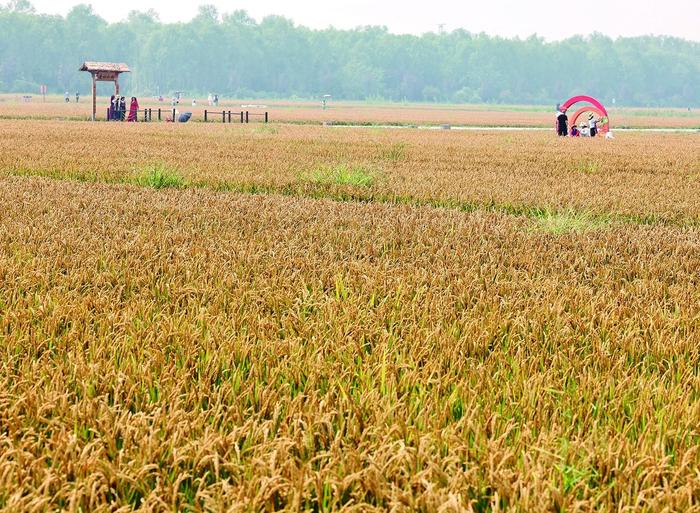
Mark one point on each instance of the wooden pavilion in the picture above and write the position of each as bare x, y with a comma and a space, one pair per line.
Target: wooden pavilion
104, 72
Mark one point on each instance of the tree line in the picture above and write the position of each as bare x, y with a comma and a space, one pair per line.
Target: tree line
234, 55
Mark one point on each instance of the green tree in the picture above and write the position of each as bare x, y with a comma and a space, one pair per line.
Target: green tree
233, 54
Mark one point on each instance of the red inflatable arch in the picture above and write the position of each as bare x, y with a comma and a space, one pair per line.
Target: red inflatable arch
596, 108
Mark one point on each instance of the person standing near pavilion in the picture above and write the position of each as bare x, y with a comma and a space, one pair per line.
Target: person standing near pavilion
133, 110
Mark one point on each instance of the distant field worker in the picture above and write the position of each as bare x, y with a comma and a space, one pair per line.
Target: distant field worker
592, 125
562, 123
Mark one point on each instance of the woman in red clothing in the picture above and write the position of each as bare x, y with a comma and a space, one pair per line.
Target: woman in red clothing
133, 110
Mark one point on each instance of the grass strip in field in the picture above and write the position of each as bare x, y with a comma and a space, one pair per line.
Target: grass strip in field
325, 186
635, 179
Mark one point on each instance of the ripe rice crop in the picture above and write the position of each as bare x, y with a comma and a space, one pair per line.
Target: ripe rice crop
194, 350
394, 320
645, 178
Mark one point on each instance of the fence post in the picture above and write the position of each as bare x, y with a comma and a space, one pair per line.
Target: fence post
223, 116
241, 117
229, 117
108, 115
150, 114
266, 118
247, 117
159, 115
174, 120
205, 115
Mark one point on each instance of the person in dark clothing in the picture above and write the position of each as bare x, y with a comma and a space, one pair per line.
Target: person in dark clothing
122, 109
562, 123
110, 114
115, 109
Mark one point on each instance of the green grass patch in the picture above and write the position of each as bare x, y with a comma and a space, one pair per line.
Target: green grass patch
558, 223
571, 477
588, 167
396, 153
160, 177
343, 174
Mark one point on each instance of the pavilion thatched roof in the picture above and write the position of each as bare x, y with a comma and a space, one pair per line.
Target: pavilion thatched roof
105, 66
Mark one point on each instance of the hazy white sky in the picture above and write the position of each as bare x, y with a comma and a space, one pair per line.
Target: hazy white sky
548, 18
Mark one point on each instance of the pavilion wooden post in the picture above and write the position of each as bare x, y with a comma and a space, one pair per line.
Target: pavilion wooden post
94, 97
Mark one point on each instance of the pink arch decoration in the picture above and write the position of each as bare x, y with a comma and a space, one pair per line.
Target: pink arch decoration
599, 109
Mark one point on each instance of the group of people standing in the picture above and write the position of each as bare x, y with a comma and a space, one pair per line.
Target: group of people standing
589, 129
118, 112
213, 100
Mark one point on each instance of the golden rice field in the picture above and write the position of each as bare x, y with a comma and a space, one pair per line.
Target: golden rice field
356, 113
264, 318
643, 177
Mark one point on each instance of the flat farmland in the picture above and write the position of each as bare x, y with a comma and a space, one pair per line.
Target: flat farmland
302, 318
357, 113
648, 178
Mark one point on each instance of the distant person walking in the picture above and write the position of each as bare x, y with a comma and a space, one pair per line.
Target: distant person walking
133, 110
67, 97
77, 97
562, 123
